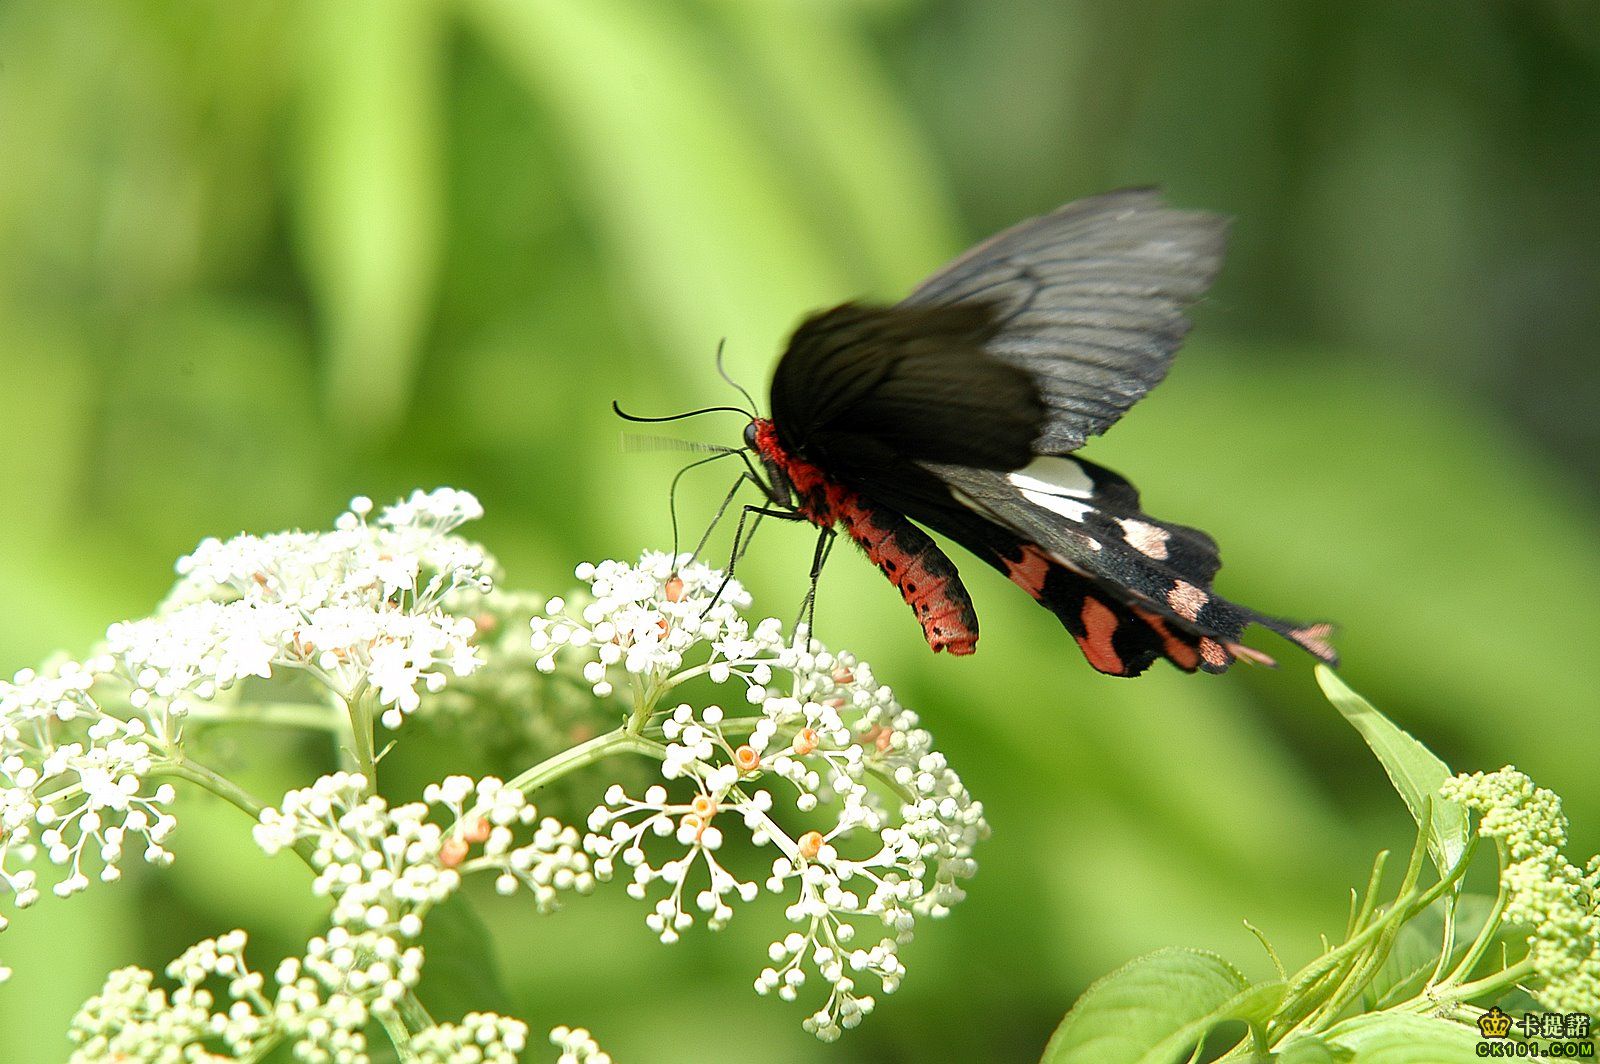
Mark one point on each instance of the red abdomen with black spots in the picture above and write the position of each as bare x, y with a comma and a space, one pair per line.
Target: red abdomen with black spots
913, 563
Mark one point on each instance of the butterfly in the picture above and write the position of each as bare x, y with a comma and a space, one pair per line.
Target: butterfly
959, 409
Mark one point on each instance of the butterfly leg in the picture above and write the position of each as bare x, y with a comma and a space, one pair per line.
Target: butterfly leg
722, 510
749, 538
819, 558
740, 539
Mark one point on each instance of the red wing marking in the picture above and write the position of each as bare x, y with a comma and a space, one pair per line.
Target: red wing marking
1182, 654
1029, 573
1099, 625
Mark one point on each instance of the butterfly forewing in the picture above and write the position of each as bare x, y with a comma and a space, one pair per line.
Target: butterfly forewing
1090, 301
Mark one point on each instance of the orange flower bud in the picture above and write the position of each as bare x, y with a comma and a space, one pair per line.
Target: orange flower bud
453, 852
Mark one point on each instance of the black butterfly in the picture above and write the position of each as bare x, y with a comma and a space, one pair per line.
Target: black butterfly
958, 408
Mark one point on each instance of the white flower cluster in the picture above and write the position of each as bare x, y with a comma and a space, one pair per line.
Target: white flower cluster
578, 1046
480, 1038
320, 1005
74, 785
643, 619
892, 827
361, 608
1556, 901
386, 867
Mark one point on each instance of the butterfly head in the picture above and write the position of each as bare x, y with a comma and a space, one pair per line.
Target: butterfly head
761, 439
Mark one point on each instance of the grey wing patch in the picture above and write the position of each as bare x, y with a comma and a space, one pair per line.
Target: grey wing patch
1090, 300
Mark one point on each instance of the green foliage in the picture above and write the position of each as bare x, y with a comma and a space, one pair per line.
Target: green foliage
1414, 770
1158, 1007
1403, 986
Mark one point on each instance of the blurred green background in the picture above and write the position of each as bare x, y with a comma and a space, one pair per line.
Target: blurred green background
257, 257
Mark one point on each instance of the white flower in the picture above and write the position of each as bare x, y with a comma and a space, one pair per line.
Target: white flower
362, 606
320, 1004
578, 1046
74, 786
480, 1038
385, 867
810, 755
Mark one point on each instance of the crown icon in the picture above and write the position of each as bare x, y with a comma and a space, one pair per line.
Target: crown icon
1494, 1023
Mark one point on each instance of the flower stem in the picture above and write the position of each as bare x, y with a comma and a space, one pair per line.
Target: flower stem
1488, 986
359, 706
224, 788
216, 783
399, 1032
618, 741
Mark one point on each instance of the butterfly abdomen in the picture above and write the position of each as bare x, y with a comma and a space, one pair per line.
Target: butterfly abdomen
914, 564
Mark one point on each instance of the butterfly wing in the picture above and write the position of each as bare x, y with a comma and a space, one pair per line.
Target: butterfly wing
948, 407
903, 378
1130, 587
1088, 301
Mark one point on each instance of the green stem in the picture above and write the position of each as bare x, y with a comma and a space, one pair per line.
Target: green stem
360, 707
1480, 945
1501, 980
617, 741
229, 791
1312, 982
414, 1013
399, 1032
217, 784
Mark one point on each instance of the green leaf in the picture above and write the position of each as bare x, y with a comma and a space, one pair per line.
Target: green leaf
462, 975
369, 194
1154, 1009
1414, 770
1309, 1049
1385, 1038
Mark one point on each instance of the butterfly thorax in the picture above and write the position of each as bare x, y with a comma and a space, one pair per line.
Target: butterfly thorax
793, 480
926, 578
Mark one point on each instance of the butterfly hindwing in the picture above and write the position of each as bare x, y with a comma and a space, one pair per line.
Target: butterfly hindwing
1087, 521
1116, 638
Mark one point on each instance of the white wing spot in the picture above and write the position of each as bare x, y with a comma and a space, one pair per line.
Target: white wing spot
1186, 600
1054, 476
1072, 511
1149, 540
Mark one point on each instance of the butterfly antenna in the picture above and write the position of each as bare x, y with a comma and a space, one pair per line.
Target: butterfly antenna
624, 415
725, 375
634, 442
